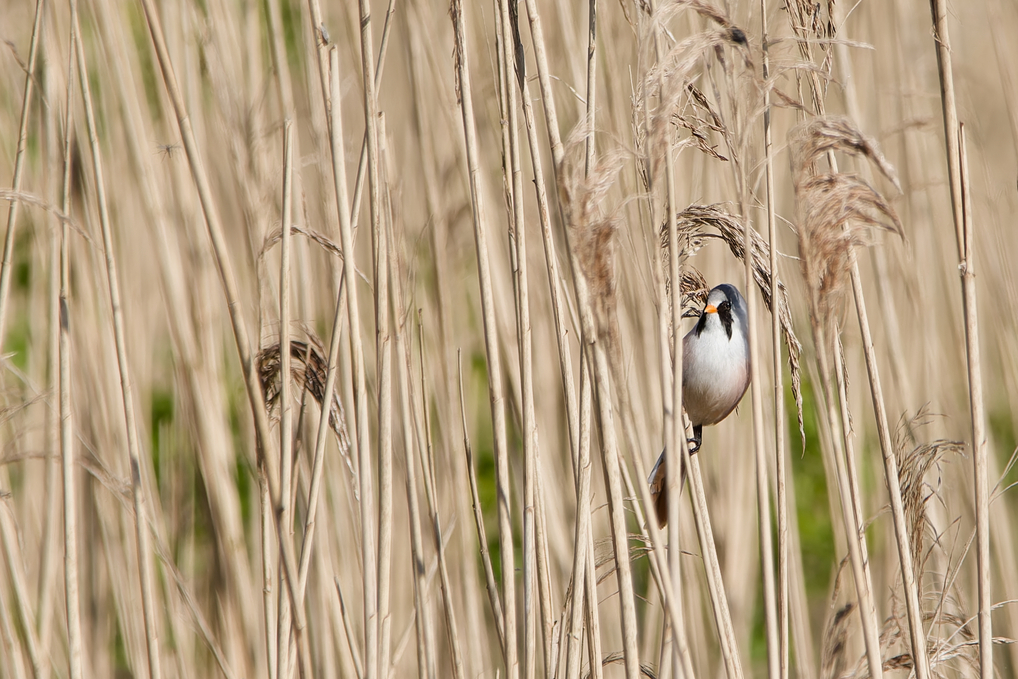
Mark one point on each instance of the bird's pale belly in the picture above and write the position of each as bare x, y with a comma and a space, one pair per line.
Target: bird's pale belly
709, 394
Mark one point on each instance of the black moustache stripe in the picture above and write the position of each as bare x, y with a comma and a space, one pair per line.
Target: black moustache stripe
725, 313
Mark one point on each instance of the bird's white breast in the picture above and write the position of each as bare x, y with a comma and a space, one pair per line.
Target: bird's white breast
715, 372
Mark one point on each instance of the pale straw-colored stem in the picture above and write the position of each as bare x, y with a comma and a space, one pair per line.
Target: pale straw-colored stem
521, 286
712, 568
978, 414
318, 464
7, 266
322, 50
383, 353
126, 386
482, 539
51, 528
268, 547
427, 464
910, 582
583, 541
853, 527
491, 342
13, 652
423, 620
362, 429
372, 596
776, 367
230, 291
15, 567
962, 226
348, 629
763, 497
285, 396
68, 465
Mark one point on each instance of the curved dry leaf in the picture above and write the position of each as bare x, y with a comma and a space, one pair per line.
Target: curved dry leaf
309, 370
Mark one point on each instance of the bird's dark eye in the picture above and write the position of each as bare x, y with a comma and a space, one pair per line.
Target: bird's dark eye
725, 306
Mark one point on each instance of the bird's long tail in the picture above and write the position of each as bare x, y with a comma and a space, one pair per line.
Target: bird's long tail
659, 487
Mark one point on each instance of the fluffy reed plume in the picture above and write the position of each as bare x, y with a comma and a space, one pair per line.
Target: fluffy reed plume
952, 646
836, 210
699, 223
915, 459
671, 80
593, 226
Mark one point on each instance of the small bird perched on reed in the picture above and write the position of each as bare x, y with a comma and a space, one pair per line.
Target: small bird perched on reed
715, 375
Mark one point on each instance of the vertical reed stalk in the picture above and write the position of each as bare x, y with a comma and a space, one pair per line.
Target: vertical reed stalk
318, 464
853, 527
513, 177
383, 352
285, 397
962, 225
376, 583
126, 387
712, 568
15, 567
6, 266
426, 651
68, 465
482, 539
490, 340
51, 528
428, 466
268, 610
583, 560
977, 412
776, 367
362, 430
10, 644
229, 283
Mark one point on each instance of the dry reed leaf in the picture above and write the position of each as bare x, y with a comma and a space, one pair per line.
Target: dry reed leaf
26, 198
617, 658
309, 368
695, 225
277, 235
700, 126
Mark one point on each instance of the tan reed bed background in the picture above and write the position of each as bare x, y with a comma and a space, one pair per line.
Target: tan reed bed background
190, 180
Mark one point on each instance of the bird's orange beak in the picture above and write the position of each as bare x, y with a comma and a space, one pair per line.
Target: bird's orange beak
710, 309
